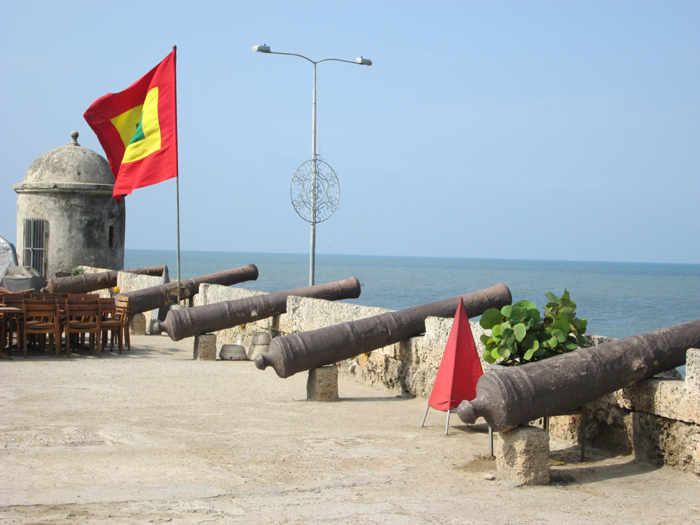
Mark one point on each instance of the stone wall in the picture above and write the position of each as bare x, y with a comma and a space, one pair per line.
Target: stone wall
657, 419
406, 368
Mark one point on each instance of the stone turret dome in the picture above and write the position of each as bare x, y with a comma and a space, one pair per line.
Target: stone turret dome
66, 216
72, 164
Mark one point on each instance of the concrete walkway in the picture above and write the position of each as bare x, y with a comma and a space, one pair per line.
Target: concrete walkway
152, 436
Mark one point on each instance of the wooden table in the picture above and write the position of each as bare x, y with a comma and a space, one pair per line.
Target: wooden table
9, 313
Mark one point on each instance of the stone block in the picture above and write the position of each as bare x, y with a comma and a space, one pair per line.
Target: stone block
233, 353
322, 384
205, 347
310, 313
261, 338
138, 324
254, 350
522, 455
661, 441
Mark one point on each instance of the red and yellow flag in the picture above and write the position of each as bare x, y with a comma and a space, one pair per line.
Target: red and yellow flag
138, 129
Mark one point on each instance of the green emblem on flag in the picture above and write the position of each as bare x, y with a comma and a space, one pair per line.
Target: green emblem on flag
139, 132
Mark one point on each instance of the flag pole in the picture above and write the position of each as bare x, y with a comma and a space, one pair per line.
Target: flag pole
177, 180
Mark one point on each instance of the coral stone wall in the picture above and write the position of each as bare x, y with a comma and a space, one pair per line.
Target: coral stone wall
657, 419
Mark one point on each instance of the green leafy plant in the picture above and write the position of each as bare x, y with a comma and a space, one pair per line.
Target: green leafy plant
77, 271
519, 334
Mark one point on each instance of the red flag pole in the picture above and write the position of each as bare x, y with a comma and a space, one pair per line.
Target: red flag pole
177, 178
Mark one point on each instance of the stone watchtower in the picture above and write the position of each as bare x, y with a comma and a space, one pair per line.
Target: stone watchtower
66, 216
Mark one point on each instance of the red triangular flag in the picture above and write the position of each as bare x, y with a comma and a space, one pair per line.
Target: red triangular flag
460, 367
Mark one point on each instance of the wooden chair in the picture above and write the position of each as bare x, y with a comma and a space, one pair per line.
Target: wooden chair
83, 317
85, 296
15, 299
124, 316
110, 324
52, 297
8, 325
41, 316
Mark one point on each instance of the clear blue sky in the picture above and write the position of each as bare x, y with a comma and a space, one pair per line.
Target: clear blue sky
518, 130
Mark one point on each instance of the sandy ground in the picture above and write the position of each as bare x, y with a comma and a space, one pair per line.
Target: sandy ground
153, 436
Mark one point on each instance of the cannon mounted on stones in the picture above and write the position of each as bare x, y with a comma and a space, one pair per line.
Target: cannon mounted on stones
515, 395
164, 294
90, 282
324, 346
227, 314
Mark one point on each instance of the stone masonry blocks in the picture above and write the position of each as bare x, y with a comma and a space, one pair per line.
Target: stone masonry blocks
322, 384
138, 324
522, 455
205, 347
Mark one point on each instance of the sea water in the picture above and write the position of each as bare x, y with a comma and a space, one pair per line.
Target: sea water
618, 299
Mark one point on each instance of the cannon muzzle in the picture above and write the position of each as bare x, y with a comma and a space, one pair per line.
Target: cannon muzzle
299, 352
227, 314
509, 397
164, 294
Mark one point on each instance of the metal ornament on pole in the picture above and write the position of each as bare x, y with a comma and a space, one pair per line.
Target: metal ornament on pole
315, 194
313, 201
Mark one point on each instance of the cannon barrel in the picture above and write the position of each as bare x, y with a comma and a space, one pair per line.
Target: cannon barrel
299, 352
89, 282
227, 314
164, 294
509, 397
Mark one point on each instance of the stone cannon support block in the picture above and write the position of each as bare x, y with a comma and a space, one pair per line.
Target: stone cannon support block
233, 353
322, 384
138, 324
205, 347
522, 455
261, 338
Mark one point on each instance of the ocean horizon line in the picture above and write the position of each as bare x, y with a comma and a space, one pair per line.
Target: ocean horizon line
306, 254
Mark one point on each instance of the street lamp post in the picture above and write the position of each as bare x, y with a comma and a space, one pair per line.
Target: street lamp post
359, 61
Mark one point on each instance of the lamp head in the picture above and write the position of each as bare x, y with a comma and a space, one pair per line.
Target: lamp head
262, 49
362, 61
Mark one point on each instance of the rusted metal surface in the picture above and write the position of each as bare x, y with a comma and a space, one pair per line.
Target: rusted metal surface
90, 282
227, 314
515, 395
164, 294
299, 352
155, 271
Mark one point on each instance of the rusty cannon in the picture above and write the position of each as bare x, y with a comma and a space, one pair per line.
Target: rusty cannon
227, 314
509, 397
90, 282
164, 294
324, 346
